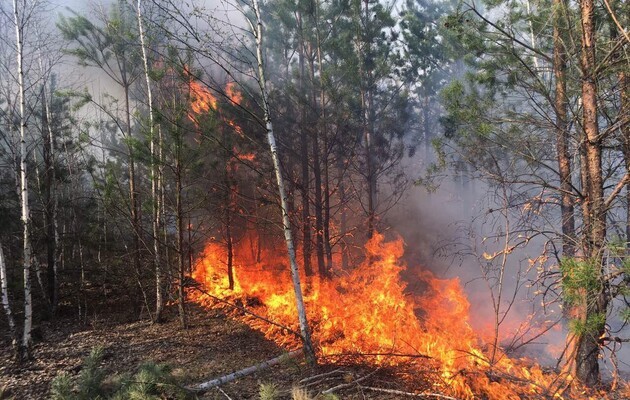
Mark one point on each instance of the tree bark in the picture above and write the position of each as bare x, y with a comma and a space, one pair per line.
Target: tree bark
246, 371
155, 175
562, 130
368, 125
25, 351
306, 217
595, 299
181, 265
625, 131
4, 292
228, 200
51, 202
288, 234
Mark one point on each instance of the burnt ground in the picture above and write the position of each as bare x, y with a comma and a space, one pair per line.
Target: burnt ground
213, 346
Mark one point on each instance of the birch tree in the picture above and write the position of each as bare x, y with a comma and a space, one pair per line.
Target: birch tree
257, 30
4, 293
20, 20
156, 176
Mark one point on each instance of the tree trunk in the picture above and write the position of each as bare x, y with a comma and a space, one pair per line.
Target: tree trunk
4, 292
317, 174
327, 244
50, 206
181, 265
133, 195
343, 219
306, 217
595, 299
25, 351
155, 176
624, 111
562, 131
288, 234
228, 200
323, 123
368, 127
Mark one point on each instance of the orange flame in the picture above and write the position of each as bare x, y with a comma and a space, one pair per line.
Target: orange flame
201, 100
234, 95
367, 311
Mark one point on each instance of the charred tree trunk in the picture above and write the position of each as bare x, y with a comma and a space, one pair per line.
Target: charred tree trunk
319, 217
327, 244
228, 200
230, 253
257, 31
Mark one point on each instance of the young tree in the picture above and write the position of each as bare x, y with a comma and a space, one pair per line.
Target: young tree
257, 30
111, 48
156, 146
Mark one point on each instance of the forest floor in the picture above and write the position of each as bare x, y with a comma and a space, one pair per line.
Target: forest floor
213, 346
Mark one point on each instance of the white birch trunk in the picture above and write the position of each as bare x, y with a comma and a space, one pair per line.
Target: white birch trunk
4, 291
28, 306
288, 235
155, 176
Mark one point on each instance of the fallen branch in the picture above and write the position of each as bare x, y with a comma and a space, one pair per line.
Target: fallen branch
347, 385
246, 371
410, 394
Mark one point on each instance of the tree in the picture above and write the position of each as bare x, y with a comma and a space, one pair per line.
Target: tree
112, 49
20, 22
156, 146
504, 116
4, 294
257, 31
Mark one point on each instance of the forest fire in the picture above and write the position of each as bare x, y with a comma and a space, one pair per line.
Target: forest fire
367, 311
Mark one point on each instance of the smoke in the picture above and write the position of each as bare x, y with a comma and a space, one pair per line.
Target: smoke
455, 231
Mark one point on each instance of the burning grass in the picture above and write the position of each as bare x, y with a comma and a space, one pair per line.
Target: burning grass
367, 315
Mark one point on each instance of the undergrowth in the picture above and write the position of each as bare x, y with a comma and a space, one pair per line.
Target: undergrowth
150, 382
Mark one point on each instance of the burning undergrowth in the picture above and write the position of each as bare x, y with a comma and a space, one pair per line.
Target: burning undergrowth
366, 313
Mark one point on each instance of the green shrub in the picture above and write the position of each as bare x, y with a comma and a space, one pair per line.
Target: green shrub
268, 391
151, 382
